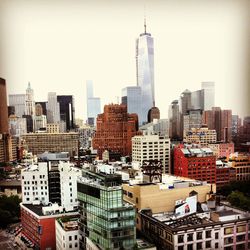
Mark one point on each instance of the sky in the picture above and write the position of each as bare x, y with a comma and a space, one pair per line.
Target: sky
58, 45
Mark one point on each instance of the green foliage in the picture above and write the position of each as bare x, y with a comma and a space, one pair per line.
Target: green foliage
241, 186
238, 199
9, 210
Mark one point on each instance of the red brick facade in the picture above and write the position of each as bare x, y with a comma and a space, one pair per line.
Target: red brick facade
114, 130
195, 167
39, 229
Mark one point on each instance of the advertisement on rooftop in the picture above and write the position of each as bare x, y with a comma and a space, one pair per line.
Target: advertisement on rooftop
188, 207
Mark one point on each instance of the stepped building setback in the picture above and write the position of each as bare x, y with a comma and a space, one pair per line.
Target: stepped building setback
114, 130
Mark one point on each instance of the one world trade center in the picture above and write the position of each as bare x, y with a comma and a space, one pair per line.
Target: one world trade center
145, 72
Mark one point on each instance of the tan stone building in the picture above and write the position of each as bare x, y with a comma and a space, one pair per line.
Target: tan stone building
58, 142
161, 197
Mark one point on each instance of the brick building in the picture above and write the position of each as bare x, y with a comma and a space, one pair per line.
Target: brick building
114, 130
195, 163
38, 227
221, 121
224, 174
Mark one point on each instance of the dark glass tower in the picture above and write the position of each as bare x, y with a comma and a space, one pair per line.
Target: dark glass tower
67, 110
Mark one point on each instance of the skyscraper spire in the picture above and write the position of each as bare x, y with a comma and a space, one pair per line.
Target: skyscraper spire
145, 25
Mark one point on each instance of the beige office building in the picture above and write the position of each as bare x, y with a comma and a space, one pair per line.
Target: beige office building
152, 147
58, 142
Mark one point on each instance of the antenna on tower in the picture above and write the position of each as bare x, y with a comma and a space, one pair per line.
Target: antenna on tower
145, 23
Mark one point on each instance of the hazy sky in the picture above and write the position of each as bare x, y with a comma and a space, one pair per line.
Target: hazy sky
58, 45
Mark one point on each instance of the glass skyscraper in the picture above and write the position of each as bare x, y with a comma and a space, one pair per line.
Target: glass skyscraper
93, 104
145, 72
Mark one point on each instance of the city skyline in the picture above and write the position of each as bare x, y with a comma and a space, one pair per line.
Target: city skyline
58, 47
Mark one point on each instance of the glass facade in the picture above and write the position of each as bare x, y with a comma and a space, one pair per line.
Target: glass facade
145, 73
105, 219
131, 96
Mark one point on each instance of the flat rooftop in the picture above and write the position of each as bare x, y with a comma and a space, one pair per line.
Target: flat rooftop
170, 182
69, 223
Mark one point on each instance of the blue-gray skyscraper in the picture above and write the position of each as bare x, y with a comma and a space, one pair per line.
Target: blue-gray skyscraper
93, 104
145, 72
131, 96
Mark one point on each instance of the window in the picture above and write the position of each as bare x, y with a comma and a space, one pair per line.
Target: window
75, 237
228, 230
208, 244
199, 235
208, 234
70, 245
199, 246
241, 228
180, 247
136, 199
216, 245
76, 245
180, 238
216, 235
70, 238
190, 237
190, 247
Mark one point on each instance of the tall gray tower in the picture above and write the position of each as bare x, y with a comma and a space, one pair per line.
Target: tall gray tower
145, 72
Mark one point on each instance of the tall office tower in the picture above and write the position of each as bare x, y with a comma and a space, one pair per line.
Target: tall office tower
18, 101
152, 147
4, 128
106, 222
7, 143
145, 72
53, 109
204, 98
40, 120
185, 106
174, 120
153, 113
17, 125
131, 96
236, 124
29, 101
93, 104
221, 121
193, 119
185, 102
67, 110
208, 92
114, 130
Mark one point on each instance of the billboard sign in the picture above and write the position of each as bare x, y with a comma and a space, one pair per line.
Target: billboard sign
188, 207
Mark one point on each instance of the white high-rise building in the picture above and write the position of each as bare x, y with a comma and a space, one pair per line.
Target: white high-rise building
208, 89
145, 72
29, 101
37, 181
18, 101
40, 121
68, 180
152, 147
53, 109
93, 104
35, 184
